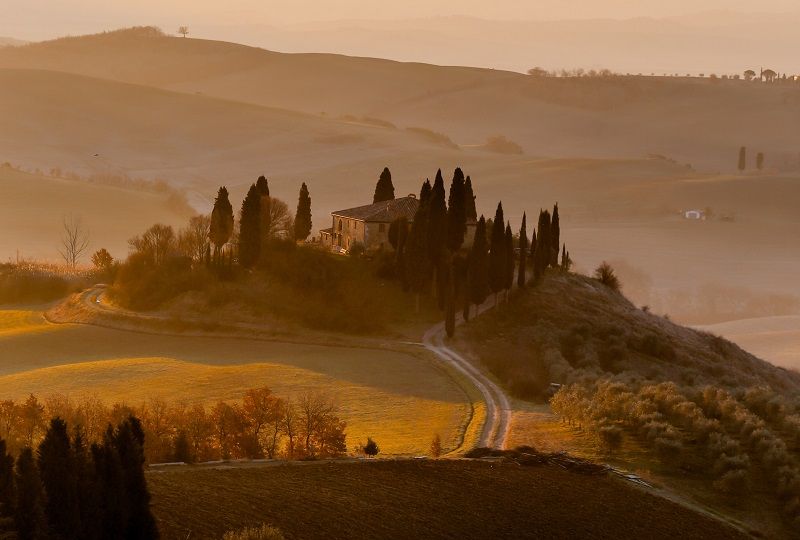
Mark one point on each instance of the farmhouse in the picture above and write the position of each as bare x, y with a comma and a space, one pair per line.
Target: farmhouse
369, 224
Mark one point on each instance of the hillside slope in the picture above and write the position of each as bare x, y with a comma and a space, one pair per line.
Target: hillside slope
691, 120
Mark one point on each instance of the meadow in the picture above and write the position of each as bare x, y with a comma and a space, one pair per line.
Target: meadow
401, 399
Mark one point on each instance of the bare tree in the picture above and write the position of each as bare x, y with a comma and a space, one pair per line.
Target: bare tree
279, 222
74, 240
183, 30
193, 239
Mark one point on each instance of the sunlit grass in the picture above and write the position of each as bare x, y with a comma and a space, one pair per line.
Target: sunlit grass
14, 322
400, 421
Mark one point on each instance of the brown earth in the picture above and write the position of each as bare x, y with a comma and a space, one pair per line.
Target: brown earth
418, 499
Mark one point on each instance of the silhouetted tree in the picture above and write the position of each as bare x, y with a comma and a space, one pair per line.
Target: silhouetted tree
302, 219
262, 185
742, 158
566, 262
456, 212
605, 275
437, 235
29, 516
183, 30
542, 260
469, 202
760, 161
57, 469
250, 228
509, 252
450, 299
497, 253
416, 256
477, 288
384, 189
425, 191
398, 237
86, 480
74, 240
523, 252
102, 260
555, 237
183, 449
221, 227
6, 482
129, 444
371, 448
110, 488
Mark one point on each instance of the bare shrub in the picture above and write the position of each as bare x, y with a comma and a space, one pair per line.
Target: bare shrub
260, 532
605, 275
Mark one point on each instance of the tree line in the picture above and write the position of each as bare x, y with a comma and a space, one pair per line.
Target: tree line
72, 490
737, 439
260, 425
431, 256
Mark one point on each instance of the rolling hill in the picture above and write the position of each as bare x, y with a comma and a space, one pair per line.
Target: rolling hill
693, 121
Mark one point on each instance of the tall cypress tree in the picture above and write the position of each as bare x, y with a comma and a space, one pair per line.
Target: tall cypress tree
250, 228
302, 220
450, 297
384, 189
129, 444
262, 185
221, 227
29, 516
88, 501
110, 488
425, 191
478, 268
509, 252
469, 202
742, 158
497, 252
437, 235
523, 252
456, 212
555, 237
542, 259
6, 482
416, 255
59, 477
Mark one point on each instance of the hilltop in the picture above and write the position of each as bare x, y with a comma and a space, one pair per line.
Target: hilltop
691, 120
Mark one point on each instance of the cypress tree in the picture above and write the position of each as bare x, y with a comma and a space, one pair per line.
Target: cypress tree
523, 252
456, 212
302, 220
29, 514
221, 227
384, 189
497, 255
509, 252
88, 502
437, 235
250, 228
56, 463
532, 248
425, 191
760, 161
478, 267
555, 237
542, 260
6, 482
129, 443
416, 259
109, 488
469, 202
450, 299
262, 185
742, 158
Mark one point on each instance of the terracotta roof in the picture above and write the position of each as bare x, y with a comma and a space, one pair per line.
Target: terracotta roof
382, 212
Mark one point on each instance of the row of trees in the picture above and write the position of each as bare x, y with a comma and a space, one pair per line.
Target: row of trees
737, 438
68, 489
262, 218
430, 254
260, 425
742, 163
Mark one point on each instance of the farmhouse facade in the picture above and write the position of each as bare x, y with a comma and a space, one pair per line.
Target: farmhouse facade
368, 225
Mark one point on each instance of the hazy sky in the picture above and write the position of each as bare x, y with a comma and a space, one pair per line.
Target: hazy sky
42, 19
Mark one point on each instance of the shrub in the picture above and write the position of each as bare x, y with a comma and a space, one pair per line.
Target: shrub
371, 448
261, 532
605, 275
611, 437
23, 283
436, 446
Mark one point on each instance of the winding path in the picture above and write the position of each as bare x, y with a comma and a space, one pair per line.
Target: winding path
494, 432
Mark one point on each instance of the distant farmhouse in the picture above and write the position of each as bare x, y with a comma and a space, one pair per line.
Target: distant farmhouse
369, 225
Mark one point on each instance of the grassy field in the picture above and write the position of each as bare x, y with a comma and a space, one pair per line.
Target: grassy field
401, 399
412, 499
22, 321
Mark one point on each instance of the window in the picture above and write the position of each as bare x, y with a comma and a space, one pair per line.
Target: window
382, 227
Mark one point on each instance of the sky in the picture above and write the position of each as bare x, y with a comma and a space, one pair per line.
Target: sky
43, 19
